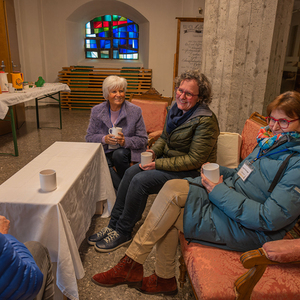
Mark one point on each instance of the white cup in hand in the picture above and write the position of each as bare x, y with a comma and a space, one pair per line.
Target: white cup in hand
212, 172
48, 180
146, 158
115, 130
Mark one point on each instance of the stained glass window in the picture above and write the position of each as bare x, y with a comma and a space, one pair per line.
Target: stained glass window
111, 37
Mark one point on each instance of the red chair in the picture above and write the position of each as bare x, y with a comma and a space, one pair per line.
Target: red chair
154, 111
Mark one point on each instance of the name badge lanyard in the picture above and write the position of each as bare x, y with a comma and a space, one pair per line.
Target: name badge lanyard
247, 167
266, 154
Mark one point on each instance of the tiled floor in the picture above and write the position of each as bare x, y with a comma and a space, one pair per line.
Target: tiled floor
32, 142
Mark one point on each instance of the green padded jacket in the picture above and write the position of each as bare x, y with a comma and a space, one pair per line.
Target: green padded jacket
189, 145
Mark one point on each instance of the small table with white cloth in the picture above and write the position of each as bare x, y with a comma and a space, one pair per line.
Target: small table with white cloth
7, 100
61, 218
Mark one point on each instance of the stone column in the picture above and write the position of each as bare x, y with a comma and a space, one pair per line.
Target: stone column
244, 44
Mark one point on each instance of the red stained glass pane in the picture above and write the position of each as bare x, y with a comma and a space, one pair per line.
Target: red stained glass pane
97, 24
105, 24
122, 22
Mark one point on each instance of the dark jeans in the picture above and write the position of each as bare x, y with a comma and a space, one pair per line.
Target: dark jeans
133, 192
120, 159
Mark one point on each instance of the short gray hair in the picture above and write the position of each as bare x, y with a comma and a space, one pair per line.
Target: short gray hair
205, 93
112, 82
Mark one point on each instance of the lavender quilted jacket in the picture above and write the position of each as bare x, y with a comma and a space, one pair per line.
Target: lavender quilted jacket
131, 121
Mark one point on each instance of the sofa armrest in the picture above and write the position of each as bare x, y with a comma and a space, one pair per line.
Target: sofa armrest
258, 260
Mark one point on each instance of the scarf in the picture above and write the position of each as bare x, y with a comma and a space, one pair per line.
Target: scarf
267, 139
176, 117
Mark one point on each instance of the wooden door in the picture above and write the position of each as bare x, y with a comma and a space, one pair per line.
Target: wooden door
9, 52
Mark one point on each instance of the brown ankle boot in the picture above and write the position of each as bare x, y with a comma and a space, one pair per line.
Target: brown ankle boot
127, 271
156, 285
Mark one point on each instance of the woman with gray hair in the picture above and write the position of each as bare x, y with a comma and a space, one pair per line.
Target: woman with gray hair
127, 146
189, 139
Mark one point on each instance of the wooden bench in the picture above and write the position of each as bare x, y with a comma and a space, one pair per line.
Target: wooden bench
85, 83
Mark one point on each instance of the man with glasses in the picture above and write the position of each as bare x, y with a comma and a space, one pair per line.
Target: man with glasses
189, 139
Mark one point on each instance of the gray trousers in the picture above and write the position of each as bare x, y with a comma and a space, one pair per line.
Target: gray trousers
42, 258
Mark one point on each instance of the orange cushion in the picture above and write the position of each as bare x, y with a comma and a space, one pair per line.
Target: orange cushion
249, 135
213, 272
154, 113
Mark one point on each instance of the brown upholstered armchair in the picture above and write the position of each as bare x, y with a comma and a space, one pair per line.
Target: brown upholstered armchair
154, 110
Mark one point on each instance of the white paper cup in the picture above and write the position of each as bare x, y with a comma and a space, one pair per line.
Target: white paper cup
115, 130
212, 172
48, 180
146, 158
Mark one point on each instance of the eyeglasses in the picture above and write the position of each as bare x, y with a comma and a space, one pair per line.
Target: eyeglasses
188, 95
283, 123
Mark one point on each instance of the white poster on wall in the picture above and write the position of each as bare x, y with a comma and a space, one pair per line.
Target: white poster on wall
189, 48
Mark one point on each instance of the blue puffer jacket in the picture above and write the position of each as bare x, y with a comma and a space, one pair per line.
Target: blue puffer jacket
243, 215
20, 277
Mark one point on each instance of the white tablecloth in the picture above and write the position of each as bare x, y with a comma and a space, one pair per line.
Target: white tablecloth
59, 219
9, 99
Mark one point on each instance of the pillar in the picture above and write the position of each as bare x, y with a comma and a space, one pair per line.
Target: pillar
244, 44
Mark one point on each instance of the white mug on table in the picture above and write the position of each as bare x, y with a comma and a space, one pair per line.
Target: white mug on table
48, 180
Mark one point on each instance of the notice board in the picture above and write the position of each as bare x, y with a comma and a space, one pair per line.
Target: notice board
189, 45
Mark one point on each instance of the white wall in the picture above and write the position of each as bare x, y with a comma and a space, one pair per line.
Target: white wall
50, 37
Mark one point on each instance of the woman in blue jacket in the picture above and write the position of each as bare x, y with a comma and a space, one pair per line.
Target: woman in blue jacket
245, 209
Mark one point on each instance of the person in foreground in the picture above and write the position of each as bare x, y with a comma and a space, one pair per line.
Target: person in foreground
241, 212
26, 270
128, 145
189, 139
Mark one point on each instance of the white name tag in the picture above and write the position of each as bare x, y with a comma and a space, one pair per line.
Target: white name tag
245, 170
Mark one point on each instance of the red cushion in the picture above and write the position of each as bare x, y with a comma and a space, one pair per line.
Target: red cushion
154, 113
283, 250
249, 135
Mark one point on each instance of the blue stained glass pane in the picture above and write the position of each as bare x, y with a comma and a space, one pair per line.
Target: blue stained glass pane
107, 18
129, 21
90, 35
136, 28
115, 43
122, 42
103, 34
133, 35
88, 25
135, 44
104, 44
121, 34
116, 54
130, 28
123, 28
